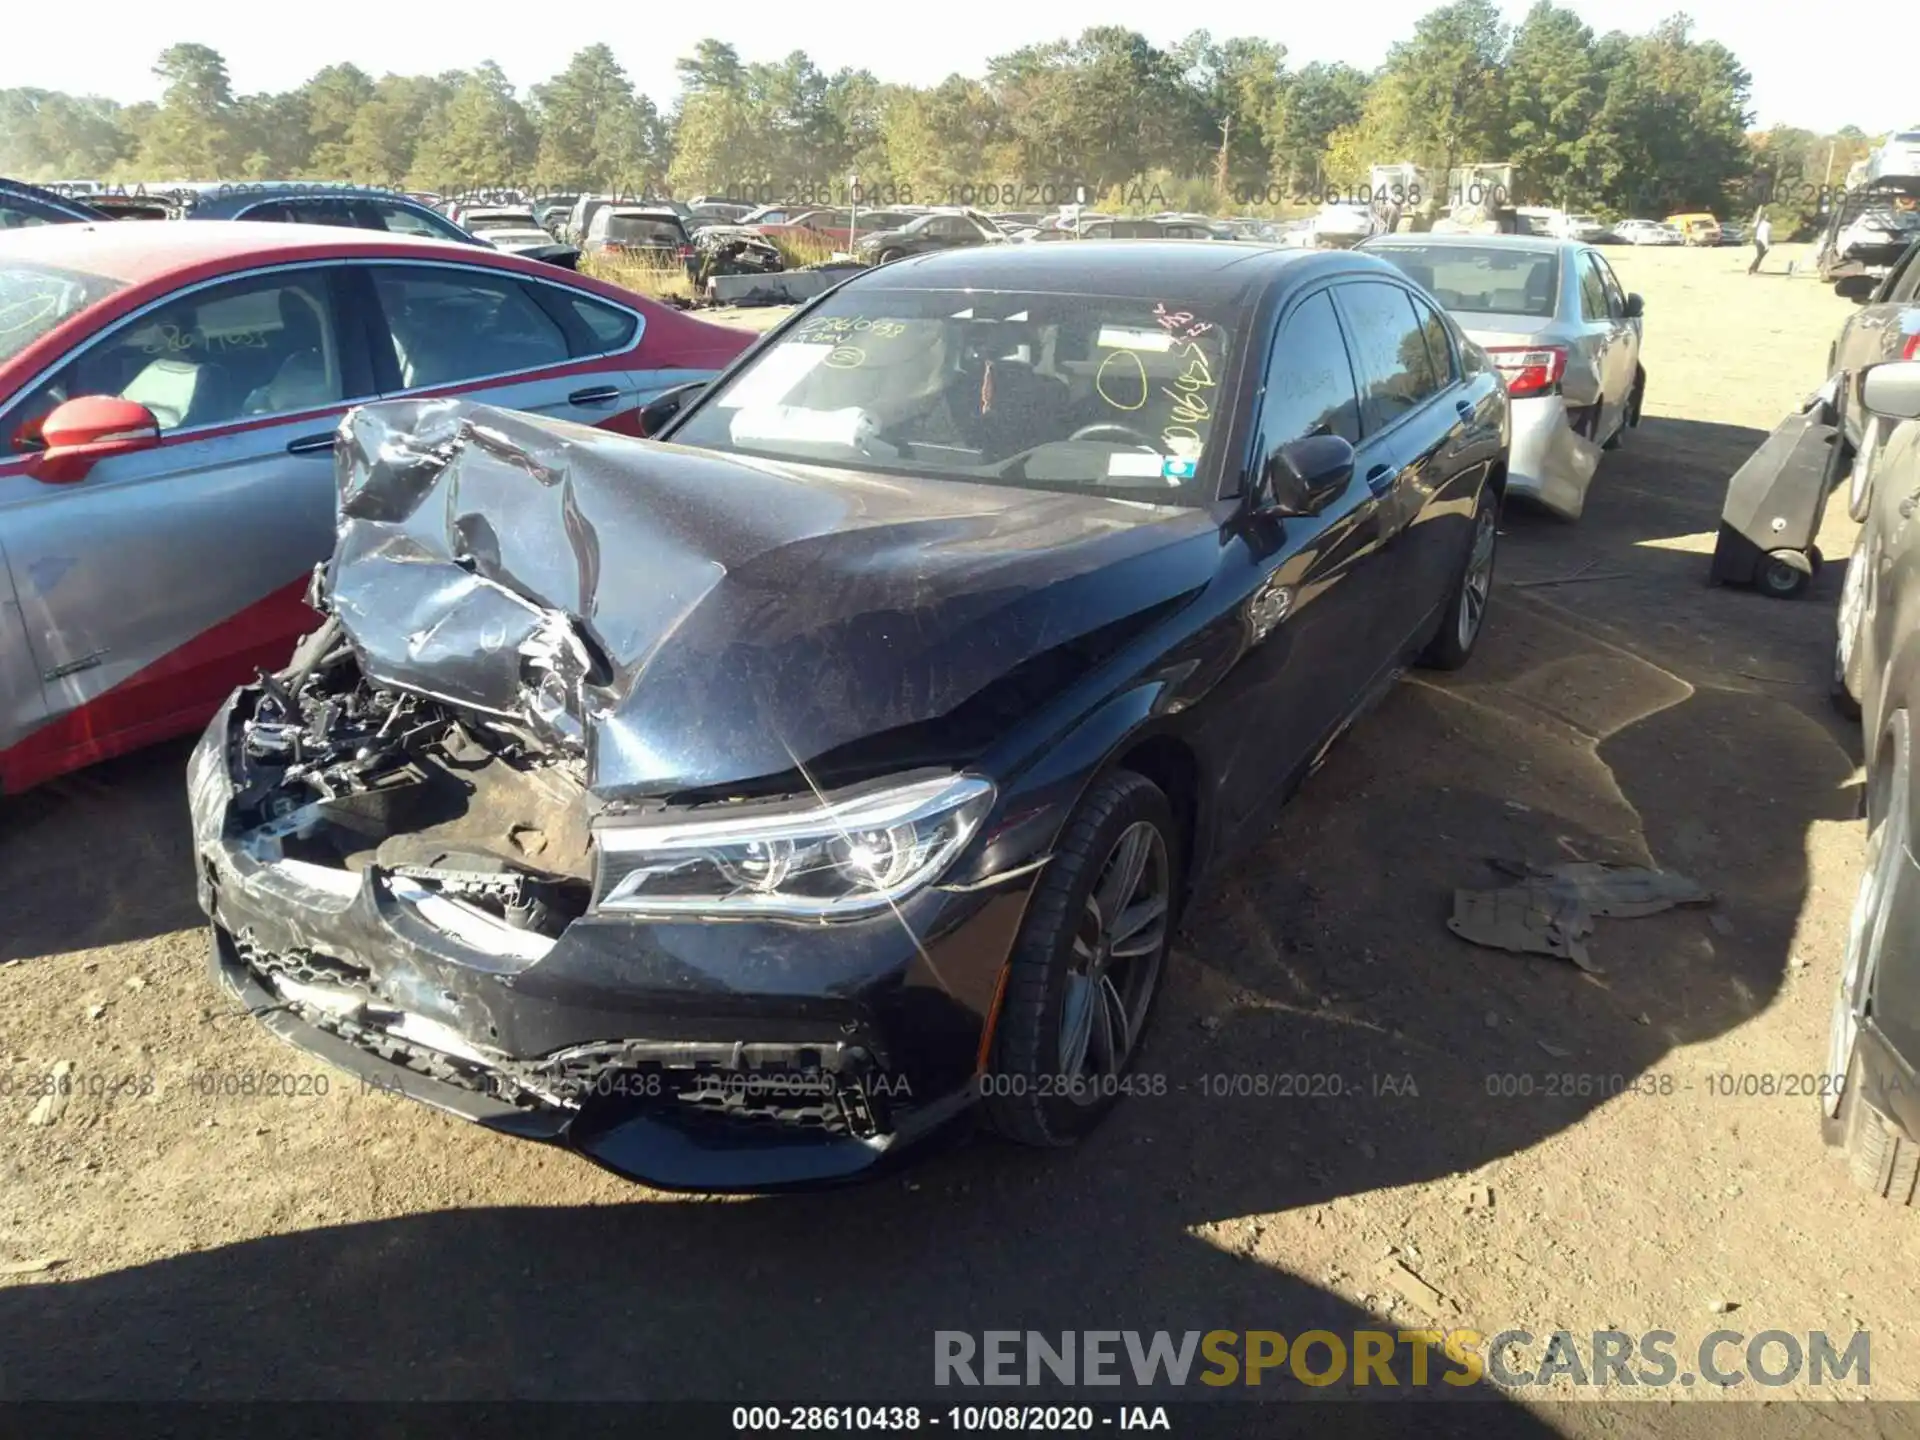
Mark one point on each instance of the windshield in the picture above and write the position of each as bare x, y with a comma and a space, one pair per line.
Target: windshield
1092, 393
36, 298
642, 230
1491, 280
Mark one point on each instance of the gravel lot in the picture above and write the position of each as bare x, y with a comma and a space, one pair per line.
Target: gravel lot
352, 1245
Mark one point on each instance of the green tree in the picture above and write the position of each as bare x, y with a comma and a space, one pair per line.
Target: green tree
335, 97
1237, 85
272, 135
482, 139
1318, 101
191, 135
594, 130
1554, 90
388, 130
1441, 97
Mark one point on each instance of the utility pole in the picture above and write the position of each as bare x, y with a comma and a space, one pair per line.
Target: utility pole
1220, 166
1832, 145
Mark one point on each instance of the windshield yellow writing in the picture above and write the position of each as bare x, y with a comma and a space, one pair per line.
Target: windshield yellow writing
1128, 378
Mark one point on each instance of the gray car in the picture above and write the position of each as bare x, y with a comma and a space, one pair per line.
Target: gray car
1564, 333
1886, 327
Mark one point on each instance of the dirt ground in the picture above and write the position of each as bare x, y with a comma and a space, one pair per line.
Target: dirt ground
351, 1244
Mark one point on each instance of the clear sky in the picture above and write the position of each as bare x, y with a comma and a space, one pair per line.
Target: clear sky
1805, 72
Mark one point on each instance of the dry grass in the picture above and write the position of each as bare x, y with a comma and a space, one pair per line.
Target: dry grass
656, 279
799, 251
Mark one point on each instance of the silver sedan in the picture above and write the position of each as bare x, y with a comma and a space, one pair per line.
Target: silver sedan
1562, 330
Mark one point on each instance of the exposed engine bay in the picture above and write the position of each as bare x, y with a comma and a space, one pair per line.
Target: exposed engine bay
334, 771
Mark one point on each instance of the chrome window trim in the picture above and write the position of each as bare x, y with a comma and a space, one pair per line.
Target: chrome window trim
633, 341
32, 385
132, 316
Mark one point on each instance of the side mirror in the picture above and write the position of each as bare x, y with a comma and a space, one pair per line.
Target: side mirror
1636, 306
655, 414
1857, 288
88, 429
1892, 389
1301, 477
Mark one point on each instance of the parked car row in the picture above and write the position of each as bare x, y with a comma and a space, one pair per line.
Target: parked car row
1868, 1101
507, 229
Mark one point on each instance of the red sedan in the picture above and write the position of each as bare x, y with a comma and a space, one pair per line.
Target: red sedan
168, 398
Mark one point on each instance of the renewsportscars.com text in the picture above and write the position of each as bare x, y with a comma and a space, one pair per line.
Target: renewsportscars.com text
1389, 1359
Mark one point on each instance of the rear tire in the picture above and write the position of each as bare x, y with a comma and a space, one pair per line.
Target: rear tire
1466, 613
1882, 1159
1060, 1054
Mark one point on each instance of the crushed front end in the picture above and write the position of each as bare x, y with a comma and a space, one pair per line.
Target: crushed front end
409, 893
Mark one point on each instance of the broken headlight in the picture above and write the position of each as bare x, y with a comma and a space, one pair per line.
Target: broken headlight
836, 857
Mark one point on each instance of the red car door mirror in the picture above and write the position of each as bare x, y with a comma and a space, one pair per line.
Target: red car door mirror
83, 431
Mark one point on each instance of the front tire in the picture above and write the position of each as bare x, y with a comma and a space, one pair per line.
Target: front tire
1466, 612
1087, 966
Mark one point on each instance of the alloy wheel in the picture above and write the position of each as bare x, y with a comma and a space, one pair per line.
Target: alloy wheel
1117, 953
1477, 587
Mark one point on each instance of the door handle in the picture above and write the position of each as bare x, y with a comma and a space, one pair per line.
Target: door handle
1380, 479
311, 444
596, 395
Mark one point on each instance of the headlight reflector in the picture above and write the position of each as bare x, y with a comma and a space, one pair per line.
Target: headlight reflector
835, 858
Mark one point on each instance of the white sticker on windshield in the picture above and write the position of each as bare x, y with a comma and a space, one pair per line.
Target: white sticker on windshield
1134, 465
1121, 337
773, 378
773, 423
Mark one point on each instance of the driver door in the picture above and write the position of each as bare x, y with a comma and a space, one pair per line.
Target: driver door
152, 586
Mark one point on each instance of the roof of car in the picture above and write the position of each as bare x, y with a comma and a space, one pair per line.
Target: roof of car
136, 254
1177, 270
216, 204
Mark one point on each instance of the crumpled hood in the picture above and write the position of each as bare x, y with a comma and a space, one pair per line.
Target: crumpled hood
685, 619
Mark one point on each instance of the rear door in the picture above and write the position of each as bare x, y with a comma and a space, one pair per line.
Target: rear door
504, 339
152, 587
1619, 352
1409, 423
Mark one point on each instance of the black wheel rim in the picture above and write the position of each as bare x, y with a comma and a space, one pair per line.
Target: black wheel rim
1115, 963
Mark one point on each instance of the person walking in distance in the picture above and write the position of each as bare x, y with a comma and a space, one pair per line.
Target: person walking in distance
1762, 241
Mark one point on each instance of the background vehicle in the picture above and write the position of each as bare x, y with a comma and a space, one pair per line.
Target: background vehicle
1867, 232
550, 212
166, 477
940, 230
1897, 159
1696, 227
1871, 1105
1648, 232
832, 228
1885, 327
22, 205
514, 230
1331, 518
652, 234
1562, 330
353, 209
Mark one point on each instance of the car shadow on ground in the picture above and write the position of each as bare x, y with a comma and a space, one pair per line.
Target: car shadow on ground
103, 856
1612, 721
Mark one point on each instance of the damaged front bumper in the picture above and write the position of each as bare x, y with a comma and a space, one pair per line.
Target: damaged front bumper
695, 1055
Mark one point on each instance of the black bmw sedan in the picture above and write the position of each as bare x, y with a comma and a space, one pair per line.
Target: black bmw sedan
740, 806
